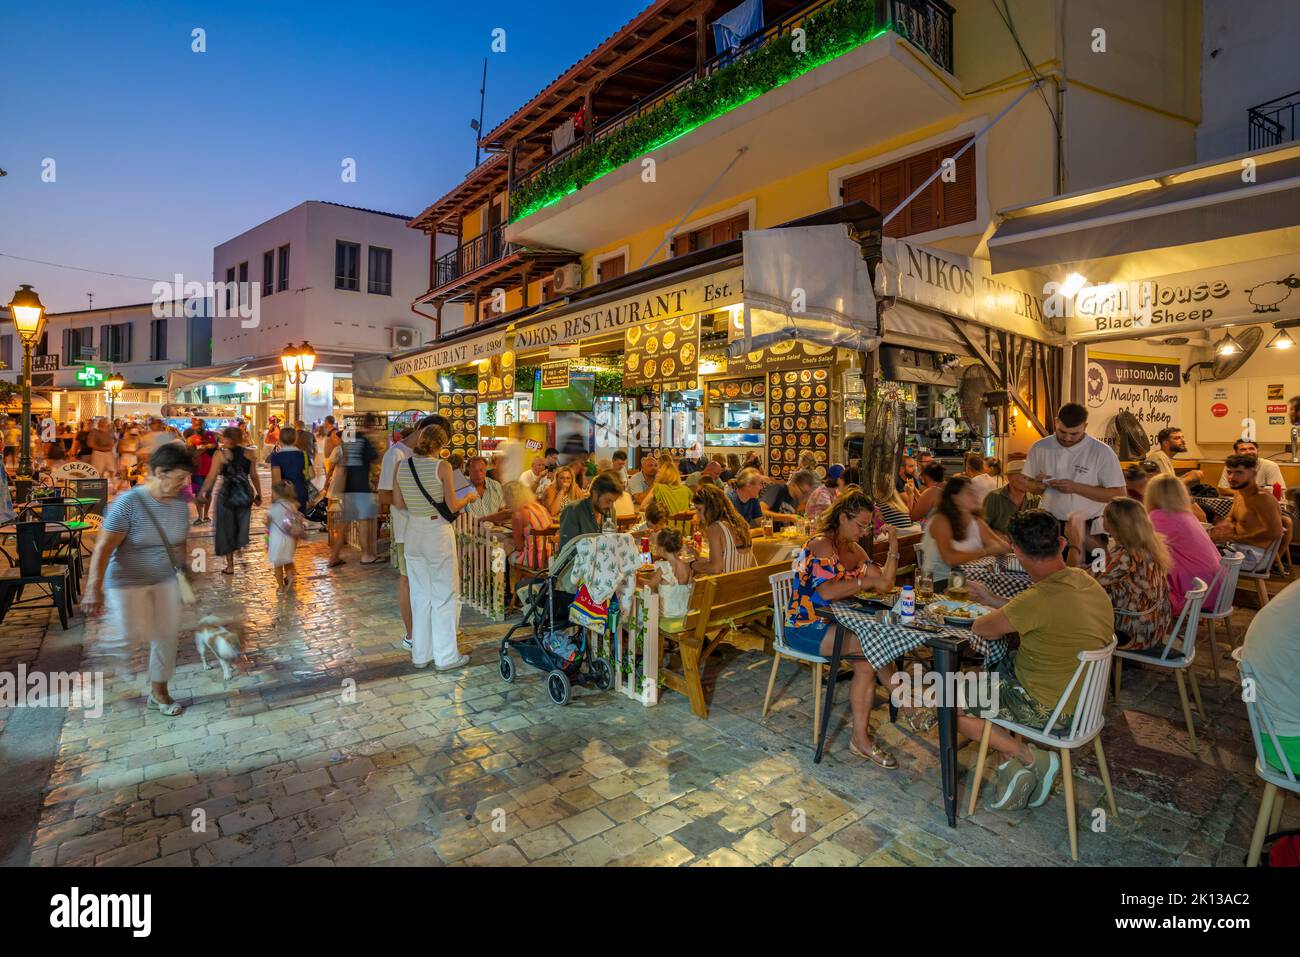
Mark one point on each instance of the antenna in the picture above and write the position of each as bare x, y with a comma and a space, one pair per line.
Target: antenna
477, 125
91, 297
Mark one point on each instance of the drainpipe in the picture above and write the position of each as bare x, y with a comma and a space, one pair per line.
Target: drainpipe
436, 319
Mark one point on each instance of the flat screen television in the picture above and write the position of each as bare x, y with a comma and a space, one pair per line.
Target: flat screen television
580, 396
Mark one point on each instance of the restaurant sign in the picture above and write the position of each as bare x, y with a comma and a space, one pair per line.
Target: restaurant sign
700, 294
555, 375
1150, 387
1258, 290
452, 354
960, 286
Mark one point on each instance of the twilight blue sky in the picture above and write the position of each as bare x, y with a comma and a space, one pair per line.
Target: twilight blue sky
162, 153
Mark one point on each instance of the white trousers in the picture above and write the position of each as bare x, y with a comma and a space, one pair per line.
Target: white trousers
430, 550
149, 614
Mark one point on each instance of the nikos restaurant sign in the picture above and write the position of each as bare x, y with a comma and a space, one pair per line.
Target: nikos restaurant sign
1259, 290
964, 287
701, 294
451, 355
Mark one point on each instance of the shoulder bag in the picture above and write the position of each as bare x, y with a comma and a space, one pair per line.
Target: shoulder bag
237, 489
441, 507
182, 580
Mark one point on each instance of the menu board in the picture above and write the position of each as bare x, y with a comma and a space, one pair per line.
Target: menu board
789, 354
461, 408
731, 390
555, 375
663, 354
497, 381
798, 418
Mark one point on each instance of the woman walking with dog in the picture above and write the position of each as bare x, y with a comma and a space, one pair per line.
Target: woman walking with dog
138, 566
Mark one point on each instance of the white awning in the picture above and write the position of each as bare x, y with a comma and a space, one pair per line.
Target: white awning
376, 389
806, 282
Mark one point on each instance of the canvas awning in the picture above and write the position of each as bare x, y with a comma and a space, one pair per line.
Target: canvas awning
376, 389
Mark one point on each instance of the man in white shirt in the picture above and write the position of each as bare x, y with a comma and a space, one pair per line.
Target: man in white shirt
980, 480
619, 460
398, 453
1170, 442
1073, 471
641, 484
1266, 477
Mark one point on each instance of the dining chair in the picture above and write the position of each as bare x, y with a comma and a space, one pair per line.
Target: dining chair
1225, 580
1283, 558
33, 568
1091, 677
1264, 569
782, 591
1179, 659
1276, 779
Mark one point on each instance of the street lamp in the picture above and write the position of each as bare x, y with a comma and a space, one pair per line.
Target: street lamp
113, 385
28, 314
297, 364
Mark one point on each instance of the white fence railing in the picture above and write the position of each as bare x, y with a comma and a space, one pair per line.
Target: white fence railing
482, 566
633, 648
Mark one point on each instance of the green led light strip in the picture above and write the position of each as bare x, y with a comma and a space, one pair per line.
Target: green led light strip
830, 32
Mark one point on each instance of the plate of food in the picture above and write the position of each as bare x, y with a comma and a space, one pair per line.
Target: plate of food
669, 339
953, 612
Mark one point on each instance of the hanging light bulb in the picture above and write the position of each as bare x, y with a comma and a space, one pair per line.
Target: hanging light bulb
1228, 346
1282, 340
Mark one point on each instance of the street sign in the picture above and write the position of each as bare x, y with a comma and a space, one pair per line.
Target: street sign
90, 376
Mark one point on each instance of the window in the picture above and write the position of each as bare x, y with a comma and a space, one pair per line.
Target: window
115, 342
243, 284
7, 351
284, 269
230, 286
941, 204
78, 345
611, 268
268, 273
347, 266
548, 289
43, 347
380, 274
712, 235
158, 340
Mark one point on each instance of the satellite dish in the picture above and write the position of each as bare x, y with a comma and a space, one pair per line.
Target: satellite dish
975, 382
1223, 366
1130, 439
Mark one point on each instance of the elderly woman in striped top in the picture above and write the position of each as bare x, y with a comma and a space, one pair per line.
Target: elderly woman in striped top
725, 531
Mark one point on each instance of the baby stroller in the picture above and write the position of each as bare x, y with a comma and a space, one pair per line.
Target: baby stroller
554, 645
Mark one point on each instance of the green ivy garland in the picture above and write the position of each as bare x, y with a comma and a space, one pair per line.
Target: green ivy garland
831, 31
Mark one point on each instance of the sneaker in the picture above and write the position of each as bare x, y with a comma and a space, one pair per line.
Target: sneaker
1012, 786
460, 661
406, 642
1047, 763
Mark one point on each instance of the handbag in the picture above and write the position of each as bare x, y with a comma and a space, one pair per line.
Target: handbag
182, 580
237, 490
441, 507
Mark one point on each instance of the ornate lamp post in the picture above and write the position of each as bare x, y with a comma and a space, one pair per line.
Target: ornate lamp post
28, 313
297, 364
113, 385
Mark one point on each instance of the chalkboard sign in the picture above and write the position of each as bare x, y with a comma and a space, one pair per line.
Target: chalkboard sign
96, 488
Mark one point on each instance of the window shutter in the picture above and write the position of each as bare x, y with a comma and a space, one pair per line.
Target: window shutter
104, 344
126, 346
681, 244
958, 198
922, 213
862, 188
67, 347
891, 194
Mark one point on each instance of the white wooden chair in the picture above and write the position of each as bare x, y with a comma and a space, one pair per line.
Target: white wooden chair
1225, 580
782, 591
1091, 677
1264, 569
1283, 559
1179, 659
1275, 781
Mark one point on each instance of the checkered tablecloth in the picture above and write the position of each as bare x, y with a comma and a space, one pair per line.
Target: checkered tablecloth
1215, 508
882, 643
989, 572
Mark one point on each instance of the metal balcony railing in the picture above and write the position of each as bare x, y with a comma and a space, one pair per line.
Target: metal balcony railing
471, 256
927, 24
1272, 123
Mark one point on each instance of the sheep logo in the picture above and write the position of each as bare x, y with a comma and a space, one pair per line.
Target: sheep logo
1267, 296
1097, 380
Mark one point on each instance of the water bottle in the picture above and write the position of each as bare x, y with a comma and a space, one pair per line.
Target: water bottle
1277, 491
907, 604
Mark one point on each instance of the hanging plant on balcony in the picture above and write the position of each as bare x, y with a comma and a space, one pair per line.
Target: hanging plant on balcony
830, 32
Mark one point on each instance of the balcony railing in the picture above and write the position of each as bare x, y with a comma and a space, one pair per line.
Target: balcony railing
927, 24
471, 256
1273, 123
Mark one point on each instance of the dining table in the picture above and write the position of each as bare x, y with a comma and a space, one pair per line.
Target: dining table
885, 637
1001, 574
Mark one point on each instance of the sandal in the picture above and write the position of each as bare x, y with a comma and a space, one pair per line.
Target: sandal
921, 720
170, 710
877, 755
336, 563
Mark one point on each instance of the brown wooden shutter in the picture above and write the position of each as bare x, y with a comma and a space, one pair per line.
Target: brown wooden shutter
865, 187
957, 199
890, 195
611, 268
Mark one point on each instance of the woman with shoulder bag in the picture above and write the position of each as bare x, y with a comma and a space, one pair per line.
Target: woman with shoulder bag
424, 487
240, 491
138, 562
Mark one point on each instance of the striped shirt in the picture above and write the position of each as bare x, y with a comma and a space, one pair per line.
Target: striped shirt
417, 506
142, 558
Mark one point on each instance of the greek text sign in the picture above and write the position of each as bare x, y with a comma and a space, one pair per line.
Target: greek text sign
1148, 386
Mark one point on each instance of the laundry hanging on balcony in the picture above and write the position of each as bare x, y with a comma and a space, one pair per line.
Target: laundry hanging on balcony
736, 26
809, 283
563, 136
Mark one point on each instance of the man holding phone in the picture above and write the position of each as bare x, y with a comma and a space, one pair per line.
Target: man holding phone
1072, 471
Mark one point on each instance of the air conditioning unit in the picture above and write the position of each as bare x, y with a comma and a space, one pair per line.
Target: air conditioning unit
568, 278
404, 337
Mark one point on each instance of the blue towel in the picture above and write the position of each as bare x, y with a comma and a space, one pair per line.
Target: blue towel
736, 26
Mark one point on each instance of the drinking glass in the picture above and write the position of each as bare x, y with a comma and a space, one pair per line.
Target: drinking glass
924, 587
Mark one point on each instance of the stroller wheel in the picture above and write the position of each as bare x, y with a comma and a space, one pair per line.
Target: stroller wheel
507, 668
603, 672
558, 687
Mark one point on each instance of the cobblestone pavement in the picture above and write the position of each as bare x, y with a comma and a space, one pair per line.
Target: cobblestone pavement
335, 751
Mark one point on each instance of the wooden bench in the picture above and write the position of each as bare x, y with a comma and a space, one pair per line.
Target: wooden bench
734, 608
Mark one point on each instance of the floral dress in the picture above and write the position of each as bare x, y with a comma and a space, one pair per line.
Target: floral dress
803, 629
1137, 585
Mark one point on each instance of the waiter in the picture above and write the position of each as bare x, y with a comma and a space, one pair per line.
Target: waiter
1073, 471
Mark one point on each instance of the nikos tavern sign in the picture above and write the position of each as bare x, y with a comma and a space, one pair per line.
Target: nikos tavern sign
701, 294
451, 355
1255, 291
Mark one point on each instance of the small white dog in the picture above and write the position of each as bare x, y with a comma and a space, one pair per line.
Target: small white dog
226, 645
